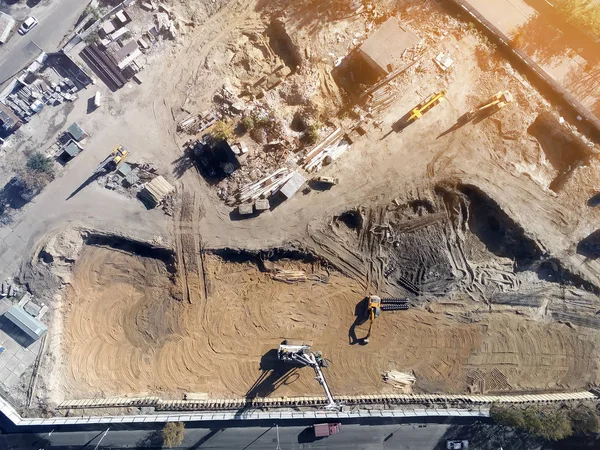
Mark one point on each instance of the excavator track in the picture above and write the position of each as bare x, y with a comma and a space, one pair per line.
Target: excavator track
394, 307
394, 304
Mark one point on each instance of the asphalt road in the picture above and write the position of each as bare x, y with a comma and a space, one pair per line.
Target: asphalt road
56, 18
359, 437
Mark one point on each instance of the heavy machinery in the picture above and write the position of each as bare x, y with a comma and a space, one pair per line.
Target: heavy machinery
330, 181
113, 161
426, 105
374, 306
491, 105
299, 354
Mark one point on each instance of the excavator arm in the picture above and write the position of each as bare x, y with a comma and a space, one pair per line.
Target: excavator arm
371, 320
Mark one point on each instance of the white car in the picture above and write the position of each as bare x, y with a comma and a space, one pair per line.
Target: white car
457, 445
27, 25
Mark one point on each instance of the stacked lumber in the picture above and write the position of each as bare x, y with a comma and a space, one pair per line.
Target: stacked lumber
265, 187
326, 152
401, 380
156, 190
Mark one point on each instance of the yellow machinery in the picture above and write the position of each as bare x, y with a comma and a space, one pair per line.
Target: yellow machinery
491, 105
376, 304
425, 106
114, 160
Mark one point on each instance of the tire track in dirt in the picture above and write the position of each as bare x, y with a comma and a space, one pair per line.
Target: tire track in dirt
125, 334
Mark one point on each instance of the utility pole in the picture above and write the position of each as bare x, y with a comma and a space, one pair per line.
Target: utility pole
103, 436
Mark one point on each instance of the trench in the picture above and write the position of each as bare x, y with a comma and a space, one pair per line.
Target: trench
258, 256
133, 247
283, 46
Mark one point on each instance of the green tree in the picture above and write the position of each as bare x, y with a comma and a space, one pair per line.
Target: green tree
247, 123
584, 420
222, 130
313, 133
173, 433
584, 14
552, 425
39, 163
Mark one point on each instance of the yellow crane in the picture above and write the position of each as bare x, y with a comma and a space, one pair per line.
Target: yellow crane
491, 105
426, 105
114, 160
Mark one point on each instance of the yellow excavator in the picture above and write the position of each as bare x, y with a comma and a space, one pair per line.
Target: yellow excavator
377, 304
418, 111
491, 105
113, 161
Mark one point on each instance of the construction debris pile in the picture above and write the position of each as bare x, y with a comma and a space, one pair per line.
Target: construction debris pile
8, 289
47, 81
400, 380
330, 149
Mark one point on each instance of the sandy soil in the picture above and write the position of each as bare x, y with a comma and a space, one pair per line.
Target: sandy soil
124, 334
129, 328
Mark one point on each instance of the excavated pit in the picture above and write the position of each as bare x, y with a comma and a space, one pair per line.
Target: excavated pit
501, 235
564, 150
283, 45
125, 331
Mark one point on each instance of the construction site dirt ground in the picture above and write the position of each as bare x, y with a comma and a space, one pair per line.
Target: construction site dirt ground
125, 334
510, 310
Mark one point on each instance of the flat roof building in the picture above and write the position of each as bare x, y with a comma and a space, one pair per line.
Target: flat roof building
76, 132
71, 149
26, 323
293, 185
383, 50
8, 119
6, 25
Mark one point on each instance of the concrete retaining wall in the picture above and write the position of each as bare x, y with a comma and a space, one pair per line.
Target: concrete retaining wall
317, 414
295, 402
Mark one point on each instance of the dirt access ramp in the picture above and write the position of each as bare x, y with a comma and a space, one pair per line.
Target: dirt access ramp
124, 333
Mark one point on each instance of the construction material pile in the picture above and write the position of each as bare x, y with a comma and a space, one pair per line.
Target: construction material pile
296, 276
401, 380
265, 187
327, 151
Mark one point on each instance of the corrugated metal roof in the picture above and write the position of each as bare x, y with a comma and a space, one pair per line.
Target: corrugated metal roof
28, 324
8, 118
76, 132
292, 186
125, 51
6, 25
72, 149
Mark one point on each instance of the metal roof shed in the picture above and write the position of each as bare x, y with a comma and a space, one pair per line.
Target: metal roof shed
293, 185
6, 25
382, 51
76, 132
26, 323
72, 149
